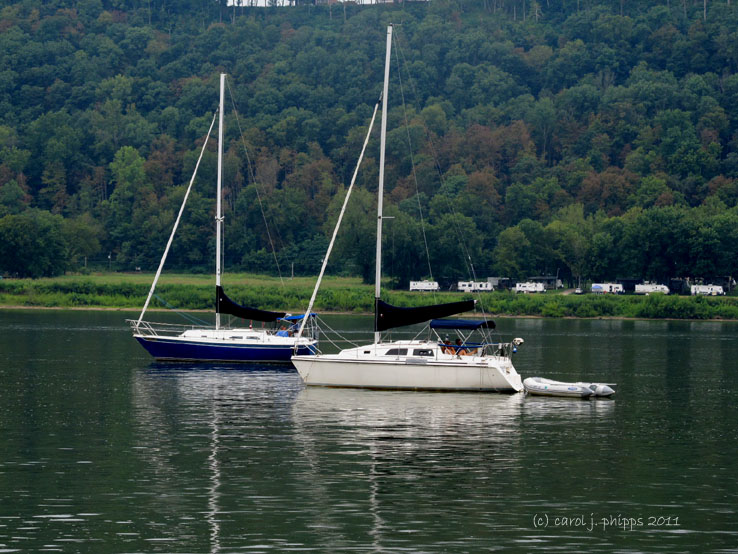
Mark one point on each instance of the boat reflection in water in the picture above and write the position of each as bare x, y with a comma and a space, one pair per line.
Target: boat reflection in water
368, 414
400, 457
267, 462
560, 410
201, 432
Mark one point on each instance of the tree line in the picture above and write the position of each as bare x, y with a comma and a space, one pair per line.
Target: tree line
596, 139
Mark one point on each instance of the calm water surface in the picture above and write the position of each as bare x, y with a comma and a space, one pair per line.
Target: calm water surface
104, 451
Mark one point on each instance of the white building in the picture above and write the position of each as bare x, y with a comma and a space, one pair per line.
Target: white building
424, 285
707, 290
530, 287
474, 286
607, 288
289, 3
648, 288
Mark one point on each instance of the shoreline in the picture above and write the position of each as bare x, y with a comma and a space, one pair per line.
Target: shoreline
505, 316
346, 296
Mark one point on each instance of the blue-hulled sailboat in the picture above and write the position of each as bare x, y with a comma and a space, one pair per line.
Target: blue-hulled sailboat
276, 343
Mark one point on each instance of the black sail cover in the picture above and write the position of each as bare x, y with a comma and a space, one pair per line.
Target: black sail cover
388, 316
224, 305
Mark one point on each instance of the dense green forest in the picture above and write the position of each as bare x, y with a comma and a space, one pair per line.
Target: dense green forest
593, 138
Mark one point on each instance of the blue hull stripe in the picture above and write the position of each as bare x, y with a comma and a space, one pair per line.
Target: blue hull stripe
179, 350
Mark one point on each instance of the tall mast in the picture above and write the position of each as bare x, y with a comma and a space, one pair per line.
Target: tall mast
219, 208
380, 192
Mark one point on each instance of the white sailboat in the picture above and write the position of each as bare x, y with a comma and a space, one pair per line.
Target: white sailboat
221, 342
412, 364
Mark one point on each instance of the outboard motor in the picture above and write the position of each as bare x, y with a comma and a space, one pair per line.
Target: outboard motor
601, 390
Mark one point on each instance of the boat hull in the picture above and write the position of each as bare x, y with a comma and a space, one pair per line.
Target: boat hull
175, 349
546, 387
329, 371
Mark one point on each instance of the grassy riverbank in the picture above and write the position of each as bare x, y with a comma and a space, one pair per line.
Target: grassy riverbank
338, 294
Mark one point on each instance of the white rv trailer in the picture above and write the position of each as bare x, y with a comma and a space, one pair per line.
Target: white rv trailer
474, 286
428, 286
649, 288
607, 288
707, 290
529, 287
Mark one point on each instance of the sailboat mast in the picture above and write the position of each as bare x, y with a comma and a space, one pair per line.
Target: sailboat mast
219, 207
380, 192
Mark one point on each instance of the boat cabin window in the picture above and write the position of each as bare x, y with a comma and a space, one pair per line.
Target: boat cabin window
396, 352
422, 352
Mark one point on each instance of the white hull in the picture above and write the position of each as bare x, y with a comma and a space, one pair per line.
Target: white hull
367, 367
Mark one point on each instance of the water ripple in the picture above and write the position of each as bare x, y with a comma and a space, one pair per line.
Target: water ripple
103, 451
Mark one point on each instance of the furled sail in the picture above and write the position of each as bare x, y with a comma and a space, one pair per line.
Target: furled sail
224, 305
388, 316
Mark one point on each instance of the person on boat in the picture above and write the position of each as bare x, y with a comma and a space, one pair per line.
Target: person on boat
460, 348
447, 348
283, 332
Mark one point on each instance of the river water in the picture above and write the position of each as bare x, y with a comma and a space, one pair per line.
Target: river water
104, 451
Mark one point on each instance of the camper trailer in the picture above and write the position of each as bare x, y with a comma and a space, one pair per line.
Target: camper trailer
472, 286
428, 286
649, 288
607, 288
707, 290
529, 287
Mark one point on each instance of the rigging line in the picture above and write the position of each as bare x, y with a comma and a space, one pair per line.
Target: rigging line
176, 223
188, 317
466, 256
438, 169
412, 162
338, 223
339, 335
256, 186
455, 223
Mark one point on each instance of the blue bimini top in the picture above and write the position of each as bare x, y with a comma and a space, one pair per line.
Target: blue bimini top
469, 324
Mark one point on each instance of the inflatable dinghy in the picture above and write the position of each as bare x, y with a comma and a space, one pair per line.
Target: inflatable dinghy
547, 387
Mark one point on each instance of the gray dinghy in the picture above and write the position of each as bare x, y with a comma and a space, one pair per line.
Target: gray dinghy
547, 387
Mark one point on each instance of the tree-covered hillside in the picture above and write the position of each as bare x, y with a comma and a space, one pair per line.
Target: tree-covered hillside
596, 138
